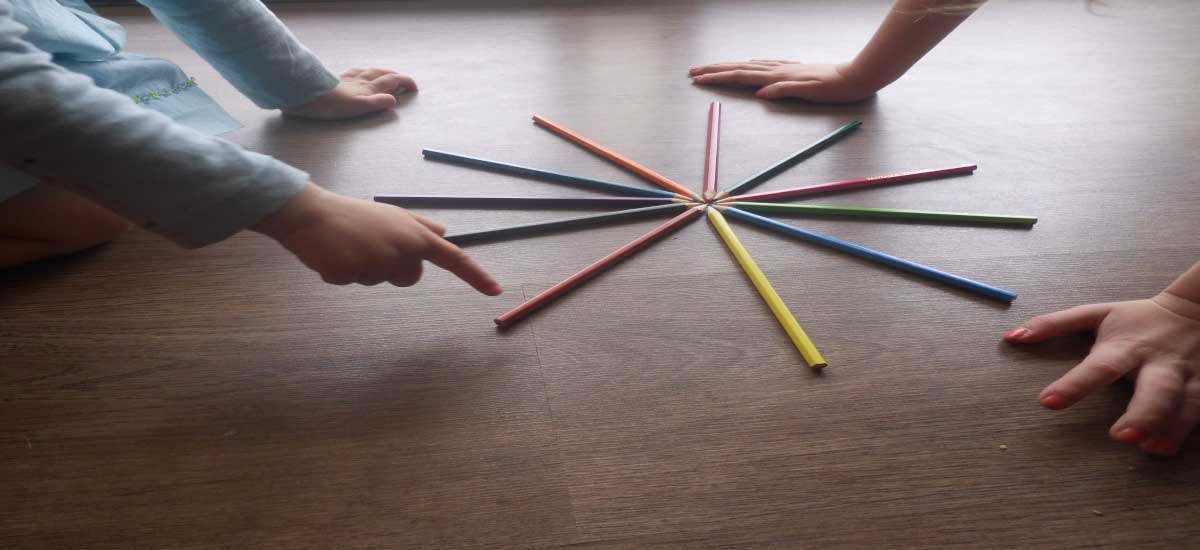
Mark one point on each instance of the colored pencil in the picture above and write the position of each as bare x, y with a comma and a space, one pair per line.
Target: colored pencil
549, 295
774, 302
513, 231
444, 201
543, 175
642, 171
964, 283
885, 213
712, 150
794, 159
844, 185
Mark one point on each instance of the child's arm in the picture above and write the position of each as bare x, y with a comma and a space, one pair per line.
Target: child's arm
1154, 341
353, 241
256, 53
192, 188
910, 30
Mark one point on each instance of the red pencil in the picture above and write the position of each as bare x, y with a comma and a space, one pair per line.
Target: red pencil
853, 184
549, 295
645, 173
711, 152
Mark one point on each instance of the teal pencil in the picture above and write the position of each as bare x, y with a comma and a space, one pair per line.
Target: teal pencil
885, 213
791, 160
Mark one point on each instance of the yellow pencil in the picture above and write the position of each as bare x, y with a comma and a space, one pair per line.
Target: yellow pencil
790, 325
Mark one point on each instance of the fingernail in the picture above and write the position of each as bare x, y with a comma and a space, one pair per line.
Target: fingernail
1054, 401
1016, 333
1160, 446
1130, 436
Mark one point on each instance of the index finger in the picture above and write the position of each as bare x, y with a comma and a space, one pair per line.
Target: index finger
451, 258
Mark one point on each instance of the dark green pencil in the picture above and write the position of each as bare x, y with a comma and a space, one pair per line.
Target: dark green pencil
792, 160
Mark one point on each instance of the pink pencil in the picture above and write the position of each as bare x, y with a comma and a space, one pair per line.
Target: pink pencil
552, 293
711, 152
853, 184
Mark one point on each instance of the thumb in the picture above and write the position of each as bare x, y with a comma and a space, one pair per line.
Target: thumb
780, 90
1044, 327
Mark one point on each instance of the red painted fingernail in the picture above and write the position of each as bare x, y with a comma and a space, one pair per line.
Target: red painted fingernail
1054, 401
1130, 436
1016, 333
1159, 446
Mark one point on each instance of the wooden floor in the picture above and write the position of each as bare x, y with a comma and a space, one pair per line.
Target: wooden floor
152, 397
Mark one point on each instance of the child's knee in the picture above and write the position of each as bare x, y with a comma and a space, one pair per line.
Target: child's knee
60, 220
100, 226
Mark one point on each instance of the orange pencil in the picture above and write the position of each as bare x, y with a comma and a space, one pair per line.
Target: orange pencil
642, 171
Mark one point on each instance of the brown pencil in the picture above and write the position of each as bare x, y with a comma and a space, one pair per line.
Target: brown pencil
549, 295
642, 171
711, 152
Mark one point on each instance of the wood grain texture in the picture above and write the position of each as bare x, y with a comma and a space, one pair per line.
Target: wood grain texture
224, 398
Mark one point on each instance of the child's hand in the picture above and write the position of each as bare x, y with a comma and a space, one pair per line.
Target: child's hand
350, 240
361, 91
777, 79
1156, 342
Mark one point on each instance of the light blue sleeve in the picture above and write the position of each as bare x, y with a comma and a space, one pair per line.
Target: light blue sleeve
61, 128
250, 47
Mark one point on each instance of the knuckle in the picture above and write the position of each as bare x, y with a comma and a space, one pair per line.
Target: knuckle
1108, 368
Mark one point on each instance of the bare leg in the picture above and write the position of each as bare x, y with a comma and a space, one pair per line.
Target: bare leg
46, 221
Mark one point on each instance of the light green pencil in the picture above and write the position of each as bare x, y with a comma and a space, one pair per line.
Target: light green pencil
852, 211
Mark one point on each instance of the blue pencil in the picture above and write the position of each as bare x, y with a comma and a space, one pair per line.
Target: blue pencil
544, 175
964, 283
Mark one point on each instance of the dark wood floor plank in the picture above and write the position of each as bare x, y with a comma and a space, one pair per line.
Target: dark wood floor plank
153, 397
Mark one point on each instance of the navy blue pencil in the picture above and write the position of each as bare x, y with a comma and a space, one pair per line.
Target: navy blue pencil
792, 160
964, 283
544, 175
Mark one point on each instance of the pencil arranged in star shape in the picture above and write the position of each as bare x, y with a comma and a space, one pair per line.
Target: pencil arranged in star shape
734, 202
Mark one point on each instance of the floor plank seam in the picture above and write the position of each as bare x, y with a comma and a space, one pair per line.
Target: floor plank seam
537, 353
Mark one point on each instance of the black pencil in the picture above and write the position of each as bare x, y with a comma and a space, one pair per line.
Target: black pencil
516, 231
445, 201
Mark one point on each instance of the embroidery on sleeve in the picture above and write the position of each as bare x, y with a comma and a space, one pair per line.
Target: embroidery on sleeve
160, 94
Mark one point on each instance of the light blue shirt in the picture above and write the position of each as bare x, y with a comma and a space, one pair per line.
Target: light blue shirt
132, 132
